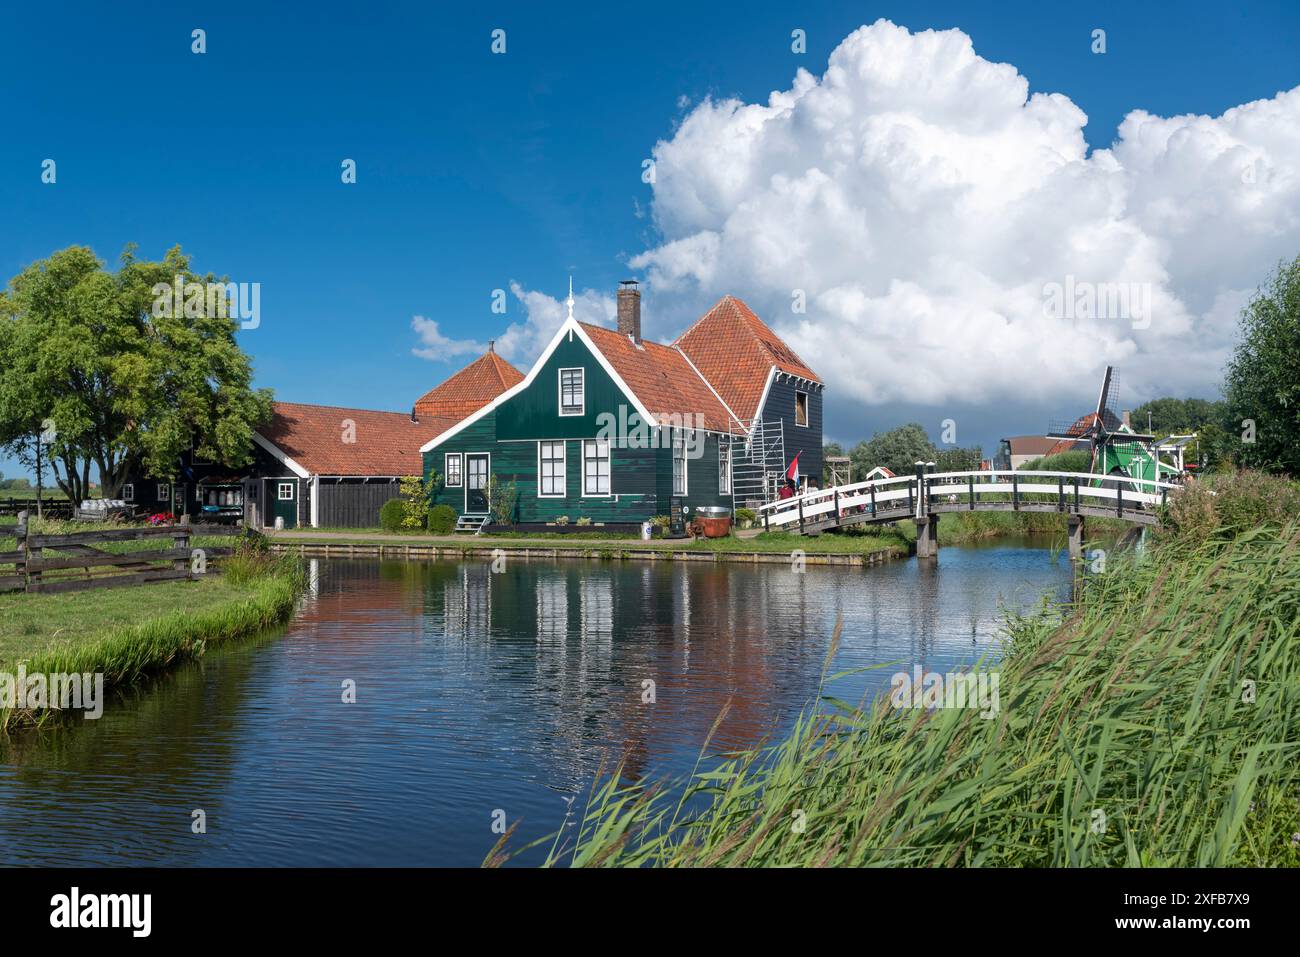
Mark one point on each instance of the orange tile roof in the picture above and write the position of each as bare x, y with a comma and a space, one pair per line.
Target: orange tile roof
387, 443
735, 350
471, 388
661, 379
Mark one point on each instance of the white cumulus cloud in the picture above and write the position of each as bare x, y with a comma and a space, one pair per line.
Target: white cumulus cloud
923, 199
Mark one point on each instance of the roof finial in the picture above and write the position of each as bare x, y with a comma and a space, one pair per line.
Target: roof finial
570, 299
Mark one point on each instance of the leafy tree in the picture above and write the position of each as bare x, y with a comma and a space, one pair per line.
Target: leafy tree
1170, 416
898, 450
416, 493
115, 387
503, 497
1263, 377
958, 460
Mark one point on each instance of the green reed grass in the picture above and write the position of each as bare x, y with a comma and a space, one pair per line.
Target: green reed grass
1128, 703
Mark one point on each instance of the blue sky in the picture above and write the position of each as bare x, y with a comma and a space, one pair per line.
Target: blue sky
475, 170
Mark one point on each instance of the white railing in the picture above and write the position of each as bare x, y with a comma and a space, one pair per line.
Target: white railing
889, 494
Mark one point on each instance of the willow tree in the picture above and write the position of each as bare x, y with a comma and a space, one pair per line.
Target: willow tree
114, 385
1263, 379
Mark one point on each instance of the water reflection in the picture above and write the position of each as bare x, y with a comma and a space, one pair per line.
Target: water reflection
475, 692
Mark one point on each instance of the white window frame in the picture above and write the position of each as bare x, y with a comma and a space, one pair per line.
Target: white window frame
164, 491
446, 470
582, 391
128, 492
280, 488
564, 469
608, 457
724, 467
807, 409
679, 442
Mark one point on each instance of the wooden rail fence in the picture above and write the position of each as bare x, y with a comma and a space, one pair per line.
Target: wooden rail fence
58, 563
51, 507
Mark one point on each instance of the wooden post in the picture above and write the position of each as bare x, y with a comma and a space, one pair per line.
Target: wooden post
1076, 496
837, 505
1119, 499
1076, 537
1015, 492
970, 490
873, 499
927, 536
800, 501
20, 532
25, 539
1060, 494
181, 539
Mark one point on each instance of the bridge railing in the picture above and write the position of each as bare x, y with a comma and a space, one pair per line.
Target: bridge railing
906, 495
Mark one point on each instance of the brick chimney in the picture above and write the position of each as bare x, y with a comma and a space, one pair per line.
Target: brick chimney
629, 309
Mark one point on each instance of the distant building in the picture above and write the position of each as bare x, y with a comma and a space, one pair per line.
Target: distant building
320, 465
1015, 451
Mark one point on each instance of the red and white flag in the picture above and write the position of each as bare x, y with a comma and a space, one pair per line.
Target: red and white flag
792, 473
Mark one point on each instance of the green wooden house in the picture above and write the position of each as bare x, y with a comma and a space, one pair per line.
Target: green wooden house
609, 427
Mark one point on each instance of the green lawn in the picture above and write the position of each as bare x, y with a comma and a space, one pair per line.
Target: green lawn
32, 625
47, 495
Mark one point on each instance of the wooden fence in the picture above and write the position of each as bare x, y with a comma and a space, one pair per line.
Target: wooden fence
55, 563
51, 507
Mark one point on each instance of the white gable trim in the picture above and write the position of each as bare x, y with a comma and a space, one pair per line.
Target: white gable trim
280, 457
735, 418
569, 328
758, 409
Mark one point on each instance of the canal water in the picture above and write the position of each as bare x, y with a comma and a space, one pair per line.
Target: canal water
480, 697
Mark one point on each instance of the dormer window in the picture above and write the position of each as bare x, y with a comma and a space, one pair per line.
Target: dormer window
573, 400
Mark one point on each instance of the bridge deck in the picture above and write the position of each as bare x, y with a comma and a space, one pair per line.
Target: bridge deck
913, 497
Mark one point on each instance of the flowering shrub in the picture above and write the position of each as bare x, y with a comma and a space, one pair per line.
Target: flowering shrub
162, 518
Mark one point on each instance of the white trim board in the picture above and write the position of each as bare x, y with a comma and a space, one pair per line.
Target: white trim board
568, 328
279, 456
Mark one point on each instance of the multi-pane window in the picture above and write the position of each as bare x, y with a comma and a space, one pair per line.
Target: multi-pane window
801, 408
595, 467
451, 469
285, 491
128, 492
679, 466
724, 467
550, 469
572, 399
164, 492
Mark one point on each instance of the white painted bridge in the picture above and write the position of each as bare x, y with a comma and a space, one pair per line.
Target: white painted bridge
924, 497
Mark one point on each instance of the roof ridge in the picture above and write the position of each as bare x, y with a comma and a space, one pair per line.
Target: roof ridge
341, 408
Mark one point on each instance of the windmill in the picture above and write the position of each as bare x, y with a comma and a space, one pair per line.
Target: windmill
1113, 445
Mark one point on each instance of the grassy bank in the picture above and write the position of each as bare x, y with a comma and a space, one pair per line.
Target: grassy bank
1153, 722
956, 528
857, 543
125, 633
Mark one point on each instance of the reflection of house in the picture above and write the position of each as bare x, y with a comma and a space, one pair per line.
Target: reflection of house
615, 428
323, 465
